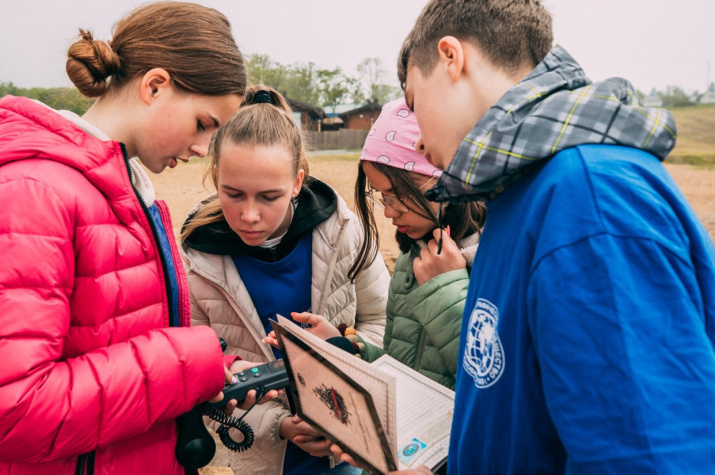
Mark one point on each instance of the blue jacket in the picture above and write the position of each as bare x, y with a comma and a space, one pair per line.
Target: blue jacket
587, 339
587, 344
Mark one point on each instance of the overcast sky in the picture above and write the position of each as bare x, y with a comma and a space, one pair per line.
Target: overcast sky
653, 43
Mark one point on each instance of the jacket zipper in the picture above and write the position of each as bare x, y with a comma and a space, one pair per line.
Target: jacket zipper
157, 241
81, 460
88, 459
85, 460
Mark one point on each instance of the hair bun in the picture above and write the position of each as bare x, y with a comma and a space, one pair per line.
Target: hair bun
90, 63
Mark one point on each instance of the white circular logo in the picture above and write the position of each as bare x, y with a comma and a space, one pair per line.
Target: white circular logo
483, 355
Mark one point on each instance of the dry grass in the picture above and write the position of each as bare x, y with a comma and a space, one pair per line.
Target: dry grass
696, 136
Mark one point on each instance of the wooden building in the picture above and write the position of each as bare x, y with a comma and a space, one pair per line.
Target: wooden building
361, 118
310, 117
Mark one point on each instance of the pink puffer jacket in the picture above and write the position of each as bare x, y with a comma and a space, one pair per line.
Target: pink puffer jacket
87, 363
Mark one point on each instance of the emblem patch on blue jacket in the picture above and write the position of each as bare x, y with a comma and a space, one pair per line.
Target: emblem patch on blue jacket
483, 355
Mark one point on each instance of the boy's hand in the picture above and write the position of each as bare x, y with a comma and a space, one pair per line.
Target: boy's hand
429, 264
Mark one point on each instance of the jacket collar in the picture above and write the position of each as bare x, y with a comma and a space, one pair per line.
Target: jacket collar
139, 177
316, 203
467, 246
34, 131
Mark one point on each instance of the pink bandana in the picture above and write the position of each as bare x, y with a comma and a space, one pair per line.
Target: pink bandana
392, 141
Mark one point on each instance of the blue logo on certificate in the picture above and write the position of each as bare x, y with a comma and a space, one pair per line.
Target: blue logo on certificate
409, 452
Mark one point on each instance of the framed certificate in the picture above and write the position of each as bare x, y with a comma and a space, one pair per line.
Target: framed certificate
331, 401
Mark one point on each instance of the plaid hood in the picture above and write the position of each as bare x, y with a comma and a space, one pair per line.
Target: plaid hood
554, 108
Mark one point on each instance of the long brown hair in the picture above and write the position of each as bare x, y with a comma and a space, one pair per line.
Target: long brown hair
255, 123
463, 219
193, 43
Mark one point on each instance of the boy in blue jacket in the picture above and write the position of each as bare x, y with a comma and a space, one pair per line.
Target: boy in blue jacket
587, 338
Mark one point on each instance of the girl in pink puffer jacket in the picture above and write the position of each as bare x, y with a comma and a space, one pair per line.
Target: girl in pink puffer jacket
92, 293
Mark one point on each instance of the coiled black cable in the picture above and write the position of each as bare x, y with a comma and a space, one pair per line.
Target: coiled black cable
227, 422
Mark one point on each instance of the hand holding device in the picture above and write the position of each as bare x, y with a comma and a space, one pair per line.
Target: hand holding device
262, 378
195, 447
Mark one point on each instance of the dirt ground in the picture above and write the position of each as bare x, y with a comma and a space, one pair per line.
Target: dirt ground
182, 189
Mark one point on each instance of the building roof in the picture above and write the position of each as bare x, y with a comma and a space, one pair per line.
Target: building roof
369, 107
337, 109
314, 112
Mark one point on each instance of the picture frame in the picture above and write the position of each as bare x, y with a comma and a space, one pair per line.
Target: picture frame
335, 404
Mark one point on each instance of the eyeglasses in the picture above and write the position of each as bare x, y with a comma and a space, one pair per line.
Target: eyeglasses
380, 200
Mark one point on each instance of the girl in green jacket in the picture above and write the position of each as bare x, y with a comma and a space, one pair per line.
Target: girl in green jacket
429, 283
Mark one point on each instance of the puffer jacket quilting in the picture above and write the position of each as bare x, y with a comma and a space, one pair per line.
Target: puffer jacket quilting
424, 321
87, 358
219, 299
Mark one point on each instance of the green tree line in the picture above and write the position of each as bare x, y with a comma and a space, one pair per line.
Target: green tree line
65, 98
303, 82
323, 87
675, 96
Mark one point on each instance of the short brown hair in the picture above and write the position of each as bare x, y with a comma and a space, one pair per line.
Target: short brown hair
511, 33
255, 123
193, 43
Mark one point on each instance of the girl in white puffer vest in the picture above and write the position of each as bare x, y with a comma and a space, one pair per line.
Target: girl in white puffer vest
273, 240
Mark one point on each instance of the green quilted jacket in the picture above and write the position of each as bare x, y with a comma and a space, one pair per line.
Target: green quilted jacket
424, 322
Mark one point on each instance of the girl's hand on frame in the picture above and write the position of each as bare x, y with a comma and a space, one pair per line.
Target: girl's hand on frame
304, 436
344, 457
319, 326
272, 340
429, 264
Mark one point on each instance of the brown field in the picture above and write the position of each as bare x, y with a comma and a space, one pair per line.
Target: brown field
182, 189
